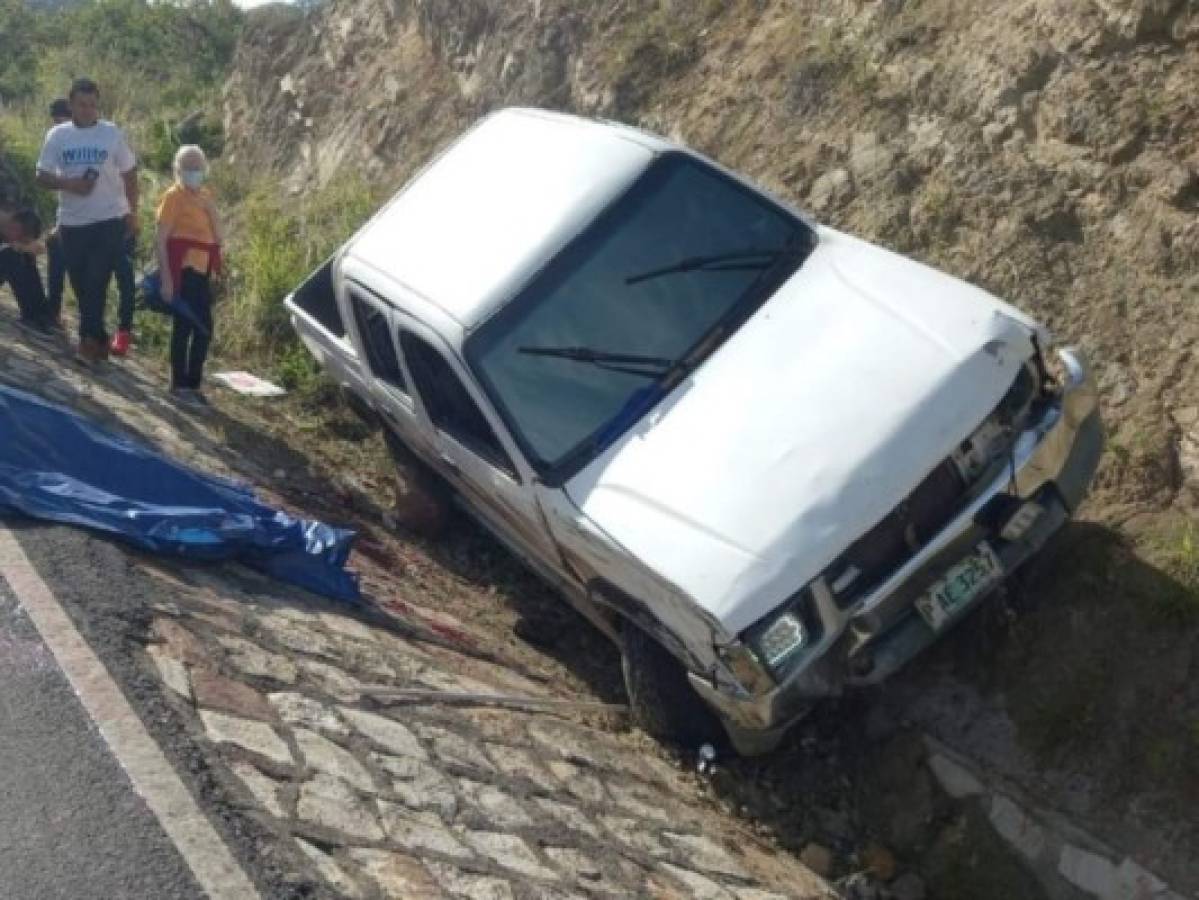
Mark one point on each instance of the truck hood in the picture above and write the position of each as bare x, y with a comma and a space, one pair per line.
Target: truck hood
806, 428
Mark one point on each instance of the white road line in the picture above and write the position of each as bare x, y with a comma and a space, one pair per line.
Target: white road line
153, 778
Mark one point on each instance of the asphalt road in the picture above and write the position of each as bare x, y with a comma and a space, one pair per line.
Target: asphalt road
71, 825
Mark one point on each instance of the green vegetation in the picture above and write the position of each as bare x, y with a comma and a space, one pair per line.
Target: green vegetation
20, 146
280, 242
163, 137
18, 57
159, 66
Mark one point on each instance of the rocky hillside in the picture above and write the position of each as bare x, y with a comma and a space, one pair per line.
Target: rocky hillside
1046, 150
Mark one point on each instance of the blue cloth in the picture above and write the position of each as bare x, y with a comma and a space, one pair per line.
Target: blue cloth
58, 466
151, 290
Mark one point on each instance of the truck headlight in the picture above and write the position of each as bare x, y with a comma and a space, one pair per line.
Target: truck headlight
780, 639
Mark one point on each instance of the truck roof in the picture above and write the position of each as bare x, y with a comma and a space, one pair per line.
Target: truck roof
468, 232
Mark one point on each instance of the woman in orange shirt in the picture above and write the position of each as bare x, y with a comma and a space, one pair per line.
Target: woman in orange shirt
189, 253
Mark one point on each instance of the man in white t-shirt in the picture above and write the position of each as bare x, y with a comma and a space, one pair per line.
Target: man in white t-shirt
89, 162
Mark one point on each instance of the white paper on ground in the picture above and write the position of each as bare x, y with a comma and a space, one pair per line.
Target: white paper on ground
245, 383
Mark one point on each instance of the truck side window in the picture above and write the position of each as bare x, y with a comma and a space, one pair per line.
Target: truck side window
376, 335
449, 404
317, 298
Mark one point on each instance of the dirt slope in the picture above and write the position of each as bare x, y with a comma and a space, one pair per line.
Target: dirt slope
1045, 150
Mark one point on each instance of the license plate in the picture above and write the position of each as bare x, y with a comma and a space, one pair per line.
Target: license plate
962, 584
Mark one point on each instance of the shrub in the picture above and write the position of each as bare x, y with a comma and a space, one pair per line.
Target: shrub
164, 136
19, 28
281, 240
20, 144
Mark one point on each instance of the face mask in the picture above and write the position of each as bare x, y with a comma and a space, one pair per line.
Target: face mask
192, 178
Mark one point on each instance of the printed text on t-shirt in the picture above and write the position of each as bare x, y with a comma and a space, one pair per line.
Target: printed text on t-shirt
80, 156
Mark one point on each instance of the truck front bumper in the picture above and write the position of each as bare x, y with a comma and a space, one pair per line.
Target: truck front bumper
1052, 464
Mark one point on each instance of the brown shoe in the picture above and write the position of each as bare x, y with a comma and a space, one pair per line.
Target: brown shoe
88, 352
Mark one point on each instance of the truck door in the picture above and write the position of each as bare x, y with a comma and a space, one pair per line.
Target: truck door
391, 395
471, 455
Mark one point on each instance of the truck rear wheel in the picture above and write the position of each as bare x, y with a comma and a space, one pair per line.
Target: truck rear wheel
360, 408
660, 695
422, 500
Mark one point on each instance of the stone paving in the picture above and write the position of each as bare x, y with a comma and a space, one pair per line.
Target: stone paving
421, 800
434, 800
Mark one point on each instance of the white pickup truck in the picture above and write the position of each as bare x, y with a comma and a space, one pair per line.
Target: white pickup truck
769, 460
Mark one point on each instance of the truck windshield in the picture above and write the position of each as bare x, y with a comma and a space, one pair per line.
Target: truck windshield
668, 271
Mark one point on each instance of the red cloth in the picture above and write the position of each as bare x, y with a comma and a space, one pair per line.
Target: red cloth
177, 248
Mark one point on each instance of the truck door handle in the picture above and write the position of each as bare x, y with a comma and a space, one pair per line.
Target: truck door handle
449, 462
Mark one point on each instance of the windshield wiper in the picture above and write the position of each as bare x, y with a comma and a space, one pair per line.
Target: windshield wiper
732, 261
645, 366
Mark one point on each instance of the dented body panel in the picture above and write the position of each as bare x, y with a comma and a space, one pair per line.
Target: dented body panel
816, 418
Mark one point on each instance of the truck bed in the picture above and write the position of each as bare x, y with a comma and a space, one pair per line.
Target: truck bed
316, 297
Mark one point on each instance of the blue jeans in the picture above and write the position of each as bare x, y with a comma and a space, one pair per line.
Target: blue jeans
123, 272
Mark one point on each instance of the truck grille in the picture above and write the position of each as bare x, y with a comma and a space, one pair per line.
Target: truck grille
907, 528
935, 501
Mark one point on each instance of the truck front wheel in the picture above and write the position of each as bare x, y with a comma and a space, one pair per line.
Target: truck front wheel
422, 501
661, 697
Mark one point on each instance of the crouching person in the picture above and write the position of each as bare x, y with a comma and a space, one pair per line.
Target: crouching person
189, 254
19, 233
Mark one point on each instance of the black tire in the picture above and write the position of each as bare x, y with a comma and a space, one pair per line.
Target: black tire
361, 409
423, 503
661, 698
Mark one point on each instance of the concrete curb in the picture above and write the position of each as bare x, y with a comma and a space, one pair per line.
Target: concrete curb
1067, 861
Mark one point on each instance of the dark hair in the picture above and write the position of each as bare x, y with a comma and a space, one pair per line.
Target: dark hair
30, 222
60, 109
83, 86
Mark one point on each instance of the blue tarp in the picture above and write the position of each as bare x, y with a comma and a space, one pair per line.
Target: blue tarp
151, 288
58, 466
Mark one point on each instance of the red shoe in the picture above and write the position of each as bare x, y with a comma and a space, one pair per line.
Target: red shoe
120, 343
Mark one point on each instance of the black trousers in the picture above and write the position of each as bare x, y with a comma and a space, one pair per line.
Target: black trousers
189, 344
126, 290
19, 271
56, 276
93, 253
